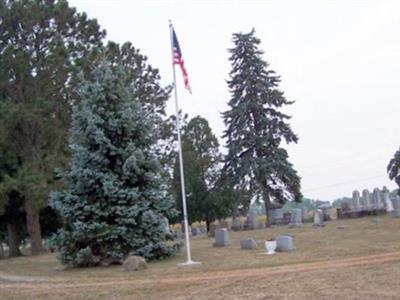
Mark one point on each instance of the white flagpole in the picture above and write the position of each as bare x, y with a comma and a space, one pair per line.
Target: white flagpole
189, 260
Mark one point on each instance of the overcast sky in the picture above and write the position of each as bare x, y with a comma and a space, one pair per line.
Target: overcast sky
339, 60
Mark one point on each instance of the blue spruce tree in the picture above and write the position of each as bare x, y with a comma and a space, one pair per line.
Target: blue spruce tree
113, 204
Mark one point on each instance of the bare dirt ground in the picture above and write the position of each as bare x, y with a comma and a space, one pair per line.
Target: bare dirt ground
332, 271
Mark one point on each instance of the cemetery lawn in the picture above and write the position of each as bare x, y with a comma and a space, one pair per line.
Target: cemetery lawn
361, 261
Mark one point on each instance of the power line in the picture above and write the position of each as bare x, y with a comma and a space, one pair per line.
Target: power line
362, 165
355, 158
344, 183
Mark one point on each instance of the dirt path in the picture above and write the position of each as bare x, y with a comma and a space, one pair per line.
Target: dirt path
21, 279
48, 283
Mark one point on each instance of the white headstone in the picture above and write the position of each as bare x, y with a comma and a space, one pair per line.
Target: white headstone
318, 218
388, 202
356, 201
396, 207
376, 199
366, 200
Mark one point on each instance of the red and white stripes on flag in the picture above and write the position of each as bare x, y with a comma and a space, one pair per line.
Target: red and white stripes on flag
178, 60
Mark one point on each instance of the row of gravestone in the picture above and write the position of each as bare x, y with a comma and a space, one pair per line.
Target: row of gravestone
195, 231
296, 217
198, 231
250, 223
378, 202
277, 217
220, 231
283, 242
293, 219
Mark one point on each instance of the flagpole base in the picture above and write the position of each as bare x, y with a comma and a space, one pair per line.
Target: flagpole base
189, 263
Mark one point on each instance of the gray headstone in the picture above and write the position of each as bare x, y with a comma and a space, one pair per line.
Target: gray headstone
318, 218
326, 211
287, 216
382, 203
304, 211
345, 207
236, 224
248, 244
376, 199
278, 213
396, 207
196, 231
284, 243
275, 215
388, 202
252, 220
221, 237
356, 201
203, 229
296, 216
366, 200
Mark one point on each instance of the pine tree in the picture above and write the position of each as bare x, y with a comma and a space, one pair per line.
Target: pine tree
113, 204
255, 126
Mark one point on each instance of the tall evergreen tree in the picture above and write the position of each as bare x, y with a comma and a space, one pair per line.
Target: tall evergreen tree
43, 45
256, 126
113, 204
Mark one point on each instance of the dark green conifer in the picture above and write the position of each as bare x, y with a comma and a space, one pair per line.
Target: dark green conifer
256, 126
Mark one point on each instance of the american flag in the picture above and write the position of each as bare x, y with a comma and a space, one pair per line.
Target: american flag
178, 60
